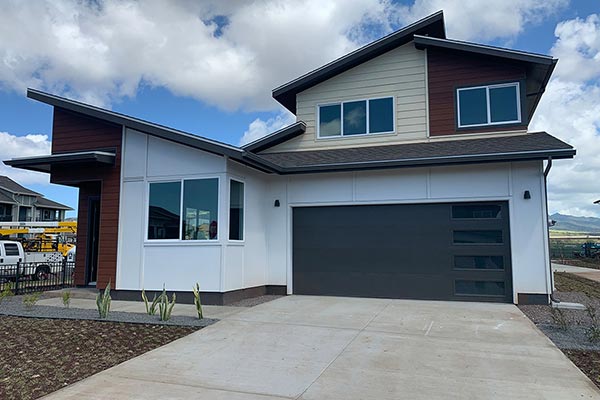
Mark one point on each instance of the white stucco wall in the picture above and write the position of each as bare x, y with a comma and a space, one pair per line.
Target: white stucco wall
176, 264
264, 256
422, 185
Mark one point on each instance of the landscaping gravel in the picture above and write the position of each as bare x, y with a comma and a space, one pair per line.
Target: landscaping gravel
573, 338
14, 306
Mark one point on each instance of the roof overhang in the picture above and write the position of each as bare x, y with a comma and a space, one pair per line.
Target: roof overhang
45, 163
523, 147
163, 132
538, 67
428, 162
432, 25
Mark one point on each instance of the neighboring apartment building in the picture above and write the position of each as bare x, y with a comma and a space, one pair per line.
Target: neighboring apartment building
410, 173
18, 203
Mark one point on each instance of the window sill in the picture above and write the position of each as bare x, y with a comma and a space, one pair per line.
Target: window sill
175, 243
362, 135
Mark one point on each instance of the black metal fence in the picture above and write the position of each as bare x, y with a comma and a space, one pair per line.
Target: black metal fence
571, 248
36, 276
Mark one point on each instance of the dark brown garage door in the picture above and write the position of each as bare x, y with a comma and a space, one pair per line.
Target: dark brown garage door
458, 251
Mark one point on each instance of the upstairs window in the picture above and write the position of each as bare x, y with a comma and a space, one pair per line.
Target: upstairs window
489, 105
360, 117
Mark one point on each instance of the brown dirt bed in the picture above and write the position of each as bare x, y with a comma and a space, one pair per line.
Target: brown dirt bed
40, 356
573, 341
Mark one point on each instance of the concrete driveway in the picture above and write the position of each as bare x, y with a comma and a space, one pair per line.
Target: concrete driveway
348, 348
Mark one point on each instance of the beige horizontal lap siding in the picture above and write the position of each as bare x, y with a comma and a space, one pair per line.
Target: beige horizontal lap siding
399, 73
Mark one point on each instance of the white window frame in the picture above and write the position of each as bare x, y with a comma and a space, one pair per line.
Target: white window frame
229, 212
181, 216
487, 99
341, 104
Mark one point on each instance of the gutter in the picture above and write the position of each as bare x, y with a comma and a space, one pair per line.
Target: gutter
546, 172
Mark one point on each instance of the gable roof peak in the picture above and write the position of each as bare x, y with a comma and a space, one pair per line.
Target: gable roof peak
432, 25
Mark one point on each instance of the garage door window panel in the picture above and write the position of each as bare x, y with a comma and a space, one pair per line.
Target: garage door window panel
478, 237
479, 288
479, 262
477, 211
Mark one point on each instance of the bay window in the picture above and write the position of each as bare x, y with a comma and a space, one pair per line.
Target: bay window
183, 210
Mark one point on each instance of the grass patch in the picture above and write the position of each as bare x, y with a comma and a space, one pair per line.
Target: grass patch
566, 282
40, 356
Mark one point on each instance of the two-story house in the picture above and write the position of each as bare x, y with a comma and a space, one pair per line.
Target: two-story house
19, 204
410, 173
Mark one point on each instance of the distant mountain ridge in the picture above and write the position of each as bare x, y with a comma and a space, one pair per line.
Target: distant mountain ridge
575, 224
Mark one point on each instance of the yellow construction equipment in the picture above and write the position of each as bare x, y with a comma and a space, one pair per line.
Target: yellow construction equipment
44, 236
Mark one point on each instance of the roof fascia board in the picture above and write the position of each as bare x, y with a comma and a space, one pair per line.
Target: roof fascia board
427, 41
134, 123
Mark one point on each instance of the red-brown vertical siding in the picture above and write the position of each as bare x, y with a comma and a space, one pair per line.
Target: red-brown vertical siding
448, 70
71, 133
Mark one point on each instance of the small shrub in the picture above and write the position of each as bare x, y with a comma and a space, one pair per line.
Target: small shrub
559, 318
150, 307
197, 303
29, 300
6, 292
164, 306
66, 298
103, 302
593, 331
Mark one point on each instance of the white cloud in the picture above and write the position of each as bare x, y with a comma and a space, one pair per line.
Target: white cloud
12, 146
259, 128
578, 48
570, 110
100, 52
482, 21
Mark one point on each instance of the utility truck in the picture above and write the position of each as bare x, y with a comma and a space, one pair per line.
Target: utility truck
48, 246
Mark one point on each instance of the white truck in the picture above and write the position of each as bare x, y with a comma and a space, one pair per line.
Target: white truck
37, 265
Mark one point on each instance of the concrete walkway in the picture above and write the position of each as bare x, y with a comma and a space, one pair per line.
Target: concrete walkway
302, 347
589, 273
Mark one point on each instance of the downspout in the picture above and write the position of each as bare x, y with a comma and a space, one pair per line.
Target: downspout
546, 172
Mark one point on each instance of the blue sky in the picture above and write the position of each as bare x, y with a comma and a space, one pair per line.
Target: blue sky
256, 58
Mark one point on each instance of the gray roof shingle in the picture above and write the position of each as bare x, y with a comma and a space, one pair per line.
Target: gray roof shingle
14, 187
46, 203
506, 148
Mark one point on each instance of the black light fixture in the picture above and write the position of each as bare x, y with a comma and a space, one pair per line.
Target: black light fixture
276, 204
527, 195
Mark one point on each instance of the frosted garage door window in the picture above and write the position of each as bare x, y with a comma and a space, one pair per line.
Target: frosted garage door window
164, 210
200, 209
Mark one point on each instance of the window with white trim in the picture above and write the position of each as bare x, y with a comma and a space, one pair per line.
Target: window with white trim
183, 210
358, 117
489, 105
236, 210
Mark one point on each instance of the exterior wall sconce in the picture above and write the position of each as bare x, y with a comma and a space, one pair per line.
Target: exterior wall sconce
527, 195
276, 204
